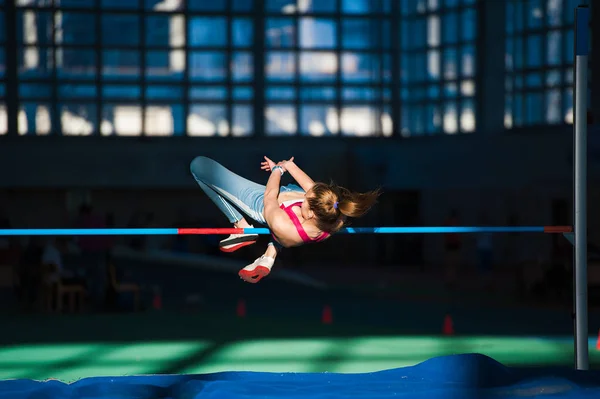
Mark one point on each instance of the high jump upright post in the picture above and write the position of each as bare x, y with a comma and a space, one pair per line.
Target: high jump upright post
582, 17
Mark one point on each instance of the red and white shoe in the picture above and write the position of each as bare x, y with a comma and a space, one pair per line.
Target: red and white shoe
237, 241
260, 268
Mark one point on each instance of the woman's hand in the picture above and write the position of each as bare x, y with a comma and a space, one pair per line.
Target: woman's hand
267, 165
282, 163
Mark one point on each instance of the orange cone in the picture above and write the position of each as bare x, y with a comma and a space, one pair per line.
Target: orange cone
327, 317
448, 328
241, 308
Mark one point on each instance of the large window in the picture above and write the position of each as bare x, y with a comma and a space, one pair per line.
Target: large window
136, 67
438, 66
3, 116
328, 70
539, 62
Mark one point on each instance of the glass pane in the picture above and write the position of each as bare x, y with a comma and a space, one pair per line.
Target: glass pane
35, 118
84, 91
318, 66
534, 14
171, 92
280, 120
207, 120
75, 63
280, 93
280, 32
165, 65
35, 90
120, 30
208, 93
510, 18
162, 5
164, 30
34, 62
450, 90
318, 33
207, 5
242, 5
467, 116
282, 6
2, 31
450, 28
164, 120
450, 63
208, 66
508, 111
553, 78
567, 106
433, 64
2, 90
469, 24
243, 93
518, 110
243, 118
569, 47
242, 32
320, 93
467, 88
468, 61
519, 53
3, 119
319, 120
365, 6
519, 16
360, 120
405, 35
34, 27
554, 12
121, 120
78, 119
361, 67
121, 64
207, 31
433, 30
553, 56
121, 92
553, 111
450, 118
534, 50
281, 66
534, 108
242, 67
120, 4
364, 34
433, 117
75, 28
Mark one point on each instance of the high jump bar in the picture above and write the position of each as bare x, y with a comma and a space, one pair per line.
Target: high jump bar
227, 231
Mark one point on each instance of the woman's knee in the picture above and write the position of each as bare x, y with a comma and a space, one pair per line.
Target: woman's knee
200, 165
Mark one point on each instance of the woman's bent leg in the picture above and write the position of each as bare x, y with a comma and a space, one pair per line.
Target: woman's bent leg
226, 189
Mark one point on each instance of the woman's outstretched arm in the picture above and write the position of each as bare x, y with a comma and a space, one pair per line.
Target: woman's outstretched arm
298, 174
276, 218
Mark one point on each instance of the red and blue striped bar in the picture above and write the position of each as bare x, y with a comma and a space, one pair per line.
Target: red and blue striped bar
227, 231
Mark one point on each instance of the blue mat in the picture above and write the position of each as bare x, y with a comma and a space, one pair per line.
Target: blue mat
458, 376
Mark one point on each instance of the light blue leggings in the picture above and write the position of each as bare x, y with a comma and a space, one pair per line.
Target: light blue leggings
230, 191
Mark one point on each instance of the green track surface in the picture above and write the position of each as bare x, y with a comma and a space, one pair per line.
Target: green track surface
73, 347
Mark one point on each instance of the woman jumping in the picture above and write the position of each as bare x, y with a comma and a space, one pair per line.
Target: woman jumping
295, 215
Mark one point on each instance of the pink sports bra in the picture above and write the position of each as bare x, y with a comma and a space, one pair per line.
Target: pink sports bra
289, 210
